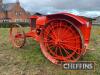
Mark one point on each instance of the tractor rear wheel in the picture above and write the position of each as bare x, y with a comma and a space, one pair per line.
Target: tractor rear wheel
17, 36
61, 41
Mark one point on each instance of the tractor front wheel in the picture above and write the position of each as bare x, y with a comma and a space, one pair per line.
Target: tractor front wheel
17, 36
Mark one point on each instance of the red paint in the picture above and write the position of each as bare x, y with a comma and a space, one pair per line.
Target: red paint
63, 37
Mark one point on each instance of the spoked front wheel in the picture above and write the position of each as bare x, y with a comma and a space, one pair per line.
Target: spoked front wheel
61, 41
17, 36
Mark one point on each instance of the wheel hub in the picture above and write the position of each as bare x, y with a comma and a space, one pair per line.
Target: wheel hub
57, 41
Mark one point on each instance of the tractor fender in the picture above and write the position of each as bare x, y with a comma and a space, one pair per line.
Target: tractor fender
70, 17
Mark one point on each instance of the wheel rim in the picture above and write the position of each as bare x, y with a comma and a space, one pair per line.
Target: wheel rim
61, 41
17, 36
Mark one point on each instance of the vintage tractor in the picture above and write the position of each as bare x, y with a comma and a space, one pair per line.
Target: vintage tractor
63, 37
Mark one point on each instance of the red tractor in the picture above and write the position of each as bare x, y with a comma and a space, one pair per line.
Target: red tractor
63, 37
